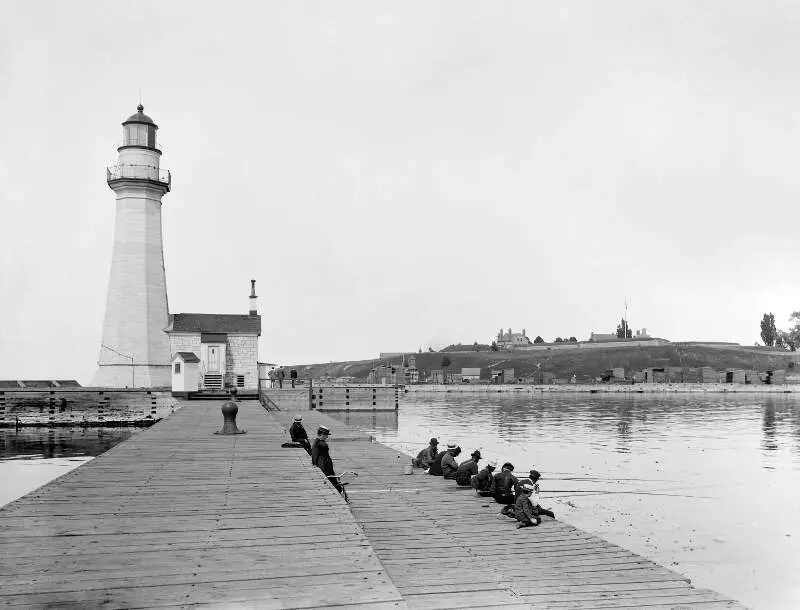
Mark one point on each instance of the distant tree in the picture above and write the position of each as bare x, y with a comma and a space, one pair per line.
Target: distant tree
445, 361
538, 339
559, 340
623, 331
769, 331
494, 346
476, 346
573, 340
430, 349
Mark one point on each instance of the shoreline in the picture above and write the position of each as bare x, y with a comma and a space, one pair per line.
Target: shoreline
605, 388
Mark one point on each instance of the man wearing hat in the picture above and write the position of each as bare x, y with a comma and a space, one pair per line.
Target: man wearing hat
321, 456
467, 470
540, 510
524, 510
425, 457
299, 434
449, 466
504, 484
483, 482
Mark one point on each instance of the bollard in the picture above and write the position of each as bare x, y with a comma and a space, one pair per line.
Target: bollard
229, 411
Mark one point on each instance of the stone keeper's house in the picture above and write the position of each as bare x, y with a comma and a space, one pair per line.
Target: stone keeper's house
226, 344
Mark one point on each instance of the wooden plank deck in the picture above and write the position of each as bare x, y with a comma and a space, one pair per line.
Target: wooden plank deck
444, 547
179, 517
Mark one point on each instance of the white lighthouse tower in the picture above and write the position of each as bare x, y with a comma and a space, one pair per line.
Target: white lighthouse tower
135, 349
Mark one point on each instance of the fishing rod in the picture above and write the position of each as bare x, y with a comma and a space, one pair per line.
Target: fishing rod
604, 492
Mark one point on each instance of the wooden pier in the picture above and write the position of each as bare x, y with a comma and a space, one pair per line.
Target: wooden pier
179, 517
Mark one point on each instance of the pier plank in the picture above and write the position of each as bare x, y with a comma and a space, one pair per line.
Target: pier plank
177, 516
444, 547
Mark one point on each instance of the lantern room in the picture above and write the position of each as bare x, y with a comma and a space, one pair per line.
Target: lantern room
139, 130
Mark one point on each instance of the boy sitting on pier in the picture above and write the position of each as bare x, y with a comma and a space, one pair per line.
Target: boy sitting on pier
467, 470
426, 457
524, 510
321, 457
540, 510
483, 482
299, 434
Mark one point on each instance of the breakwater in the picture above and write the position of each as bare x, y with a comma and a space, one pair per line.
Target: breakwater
179, 516
607, 388
84, 406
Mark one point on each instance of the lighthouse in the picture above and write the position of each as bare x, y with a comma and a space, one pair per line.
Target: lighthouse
134, 351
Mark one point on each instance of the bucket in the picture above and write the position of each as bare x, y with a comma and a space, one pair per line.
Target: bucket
408, 469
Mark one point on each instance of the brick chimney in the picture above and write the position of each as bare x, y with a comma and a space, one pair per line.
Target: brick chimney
253, 299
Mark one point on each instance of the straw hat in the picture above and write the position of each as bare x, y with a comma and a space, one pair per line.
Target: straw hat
298, 418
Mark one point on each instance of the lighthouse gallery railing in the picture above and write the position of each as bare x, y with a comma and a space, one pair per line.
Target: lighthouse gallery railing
147, 172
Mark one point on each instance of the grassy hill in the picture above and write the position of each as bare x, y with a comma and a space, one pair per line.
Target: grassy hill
581, 361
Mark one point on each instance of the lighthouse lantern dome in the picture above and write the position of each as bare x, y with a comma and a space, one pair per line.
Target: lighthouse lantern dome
139, 130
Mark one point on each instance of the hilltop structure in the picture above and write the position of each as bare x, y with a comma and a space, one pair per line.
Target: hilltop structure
134, 351
511, 340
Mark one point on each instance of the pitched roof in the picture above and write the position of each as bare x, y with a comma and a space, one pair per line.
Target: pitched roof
214, 323
187, 356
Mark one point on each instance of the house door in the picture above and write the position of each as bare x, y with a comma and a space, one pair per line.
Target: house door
213, 359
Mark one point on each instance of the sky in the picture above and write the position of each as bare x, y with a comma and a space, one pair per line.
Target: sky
398, 175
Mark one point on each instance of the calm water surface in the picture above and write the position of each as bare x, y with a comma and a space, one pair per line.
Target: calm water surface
31, 457
708, 486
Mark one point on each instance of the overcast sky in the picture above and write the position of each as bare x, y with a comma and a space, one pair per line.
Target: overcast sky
406, 174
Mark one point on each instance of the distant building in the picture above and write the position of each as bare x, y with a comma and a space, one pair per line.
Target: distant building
226, 344
411, 373
503, 376
603, 338
470, 374
511, 340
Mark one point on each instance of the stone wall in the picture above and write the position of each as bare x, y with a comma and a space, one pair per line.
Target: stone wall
184, 343
242, 359
79, 406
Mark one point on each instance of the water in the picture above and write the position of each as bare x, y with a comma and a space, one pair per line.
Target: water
33, 456
708, 486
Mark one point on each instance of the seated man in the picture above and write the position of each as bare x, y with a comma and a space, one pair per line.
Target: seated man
435, 468
521, 482
321, 457
467, 470
298, 433
425, 457
535, 497
524, 512
483, 482
449, 466
504, 483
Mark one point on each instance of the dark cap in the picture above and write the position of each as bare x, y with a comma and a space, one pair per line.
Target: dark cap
323, 430
434, 441
476, 454
508, 465
534, 474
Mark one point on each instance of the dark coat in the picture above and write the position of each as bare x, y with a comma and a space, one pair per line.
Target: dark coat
465, 472
298, 432
484, 481
321, 457
426, 457
436, 465
504, 483
449, 466
524, 511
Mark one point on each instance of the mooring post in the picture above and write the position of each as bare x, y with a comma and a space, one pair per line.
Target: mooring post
229, 411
